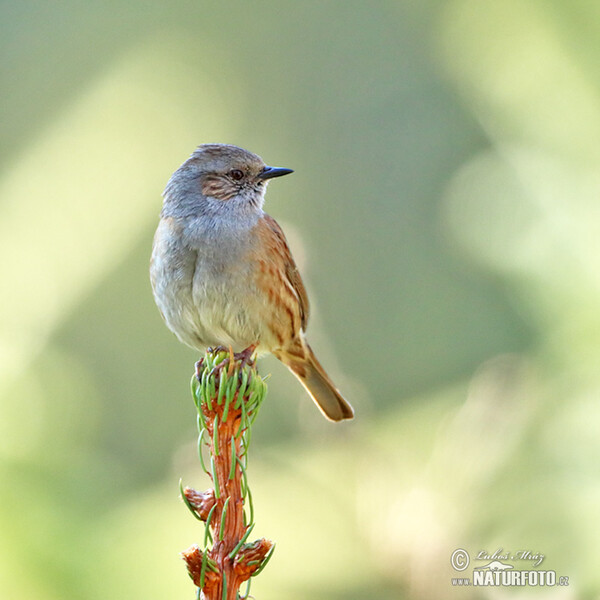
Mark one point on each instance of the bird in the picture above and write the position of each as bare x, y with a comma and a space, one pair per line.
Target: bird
222, 272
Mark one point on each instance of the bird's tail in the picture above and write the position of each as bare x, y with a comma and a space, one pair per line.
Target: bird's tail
315, 380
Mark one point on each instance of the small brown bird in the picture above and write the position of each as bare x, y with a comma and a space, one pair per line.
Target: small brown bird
222, 272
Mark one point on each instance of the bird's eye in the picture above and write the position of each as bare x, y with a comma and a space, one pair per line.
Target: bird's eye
236, 174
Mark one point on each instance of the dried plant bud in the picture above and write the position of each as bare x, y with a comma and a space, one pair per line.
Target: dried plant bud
193, 558
200, 502
252, 557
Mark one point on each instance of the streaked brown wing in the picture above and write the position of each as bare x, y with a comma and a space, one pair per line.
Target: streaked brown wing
290, 270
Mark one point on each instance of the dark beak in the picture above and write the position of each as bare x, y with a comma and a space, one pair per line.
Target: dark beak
270, 172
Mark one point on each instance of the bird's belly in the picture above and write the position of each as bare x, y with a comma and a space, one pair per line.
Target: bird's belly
172, 272
209, 296
228, 306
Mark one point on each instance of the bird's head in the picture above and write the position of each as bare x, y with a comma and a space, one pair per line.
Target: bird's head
220, 177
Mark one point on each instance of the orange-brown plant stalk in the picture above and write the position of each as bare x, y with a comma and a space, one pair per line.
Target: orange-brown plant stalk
228, 393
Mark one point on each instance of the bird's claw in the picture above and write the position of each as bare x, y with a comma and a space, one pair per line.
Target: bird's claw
199, 369
245, 356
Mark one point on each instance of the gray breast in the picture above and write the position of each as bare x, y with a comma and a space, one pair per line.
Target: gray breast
224, 292
172, 273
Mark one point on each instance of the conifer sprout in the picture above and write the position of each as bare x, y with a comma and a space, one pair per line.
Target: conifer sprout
228, 393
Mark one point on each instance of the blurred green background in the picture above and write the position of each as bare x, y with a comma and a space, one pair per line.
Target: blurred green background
444, 212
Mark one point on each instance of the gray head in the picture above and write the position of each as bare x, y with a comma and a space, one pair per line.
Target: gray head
219, 179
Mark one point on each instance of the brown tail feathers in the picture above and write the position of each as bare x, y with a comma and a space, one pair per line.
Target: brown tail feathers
312, 376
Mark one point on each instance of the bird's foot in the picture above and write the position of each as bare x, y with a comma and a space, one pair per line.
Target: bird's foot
217, 349
199, 365
229, 361
245, 356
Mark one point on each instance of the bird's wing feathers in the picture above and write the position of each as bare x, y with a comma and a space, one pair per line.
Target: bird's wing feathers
288, 266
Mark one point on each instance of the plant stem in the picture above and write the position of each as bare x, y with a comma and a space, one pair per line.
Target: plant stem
228, 393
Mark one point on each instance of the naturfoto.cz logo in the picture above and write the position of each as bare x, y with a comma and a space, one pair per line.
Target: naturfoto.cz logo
496, 572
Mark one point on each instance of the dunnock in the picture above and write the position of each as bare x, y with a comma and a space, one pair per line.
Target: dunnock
222, 272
